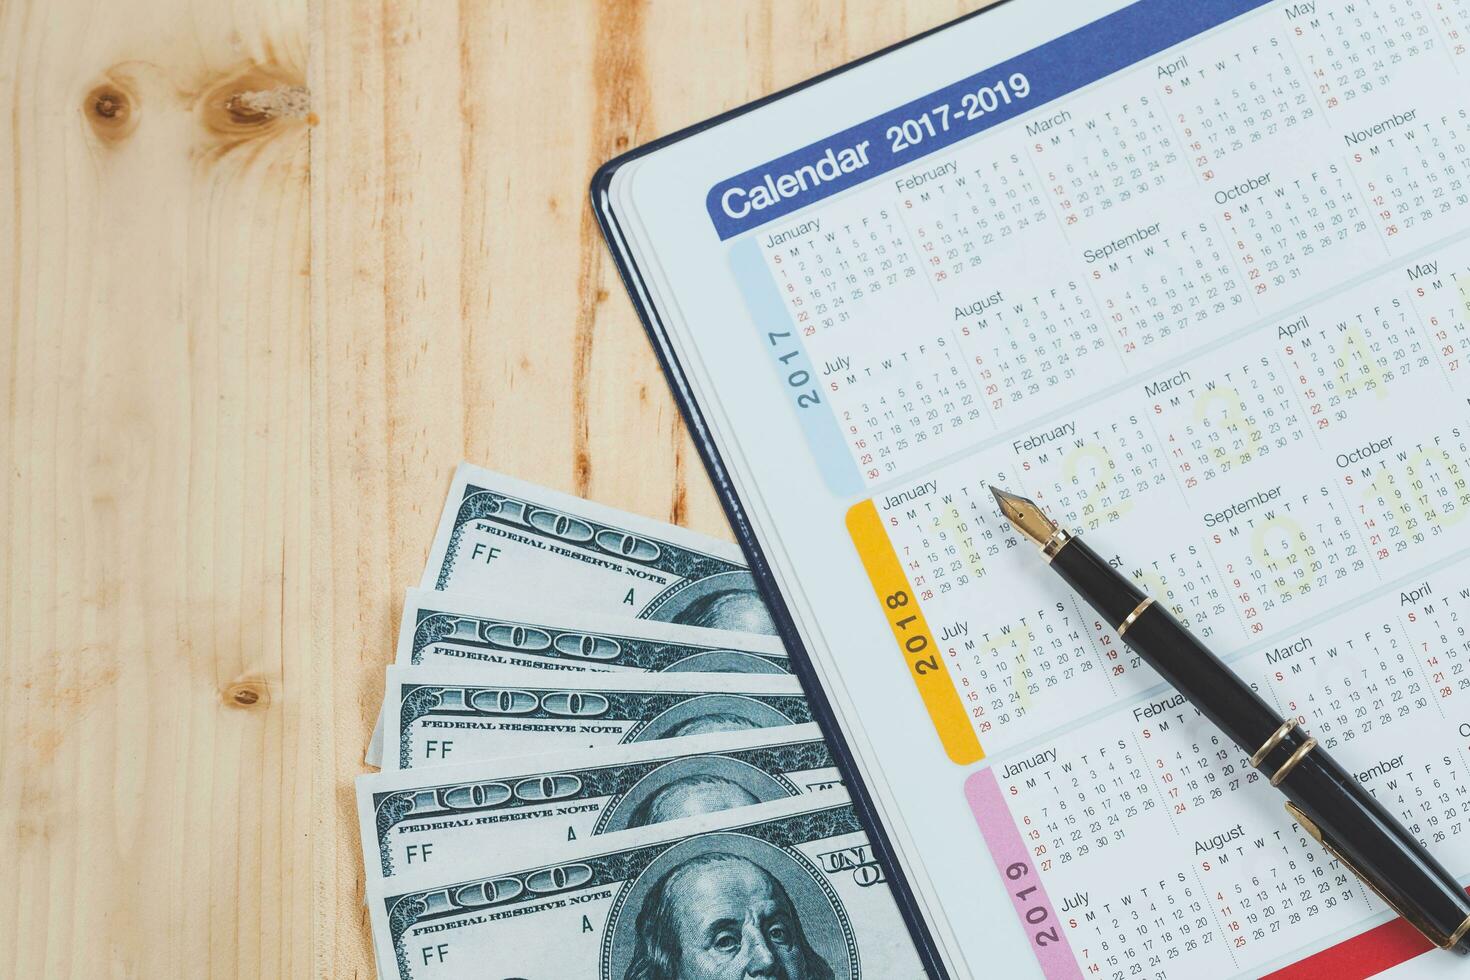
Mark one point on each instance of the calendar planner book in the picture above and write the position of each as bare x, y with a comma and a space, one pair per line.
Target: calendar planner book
1195, 276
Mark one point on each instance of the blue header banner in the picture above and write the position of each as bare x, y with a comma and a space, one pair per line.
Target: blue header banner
904, 135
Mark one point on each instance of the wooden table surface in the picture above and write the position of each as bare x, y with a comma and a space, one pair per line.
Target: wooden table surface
269, 269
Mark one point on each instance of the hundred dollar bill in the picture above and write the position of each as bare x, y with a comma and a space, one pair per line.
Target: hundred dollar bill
500, 537
463, 714
449, 627
446, 627
787, 889
445, 816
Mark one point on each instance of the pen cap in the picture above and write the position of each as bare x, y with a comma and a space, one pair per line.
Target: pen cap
1358, 831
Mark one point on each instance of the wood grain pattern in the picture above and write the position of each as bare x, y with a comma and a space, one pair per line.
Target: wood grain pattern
269, 269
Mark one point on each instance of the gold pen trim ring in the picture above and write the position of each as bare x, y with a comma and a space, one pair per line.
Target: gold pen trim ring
1291, 763
1133, 616
1457, 935
1059, 539
1271, 743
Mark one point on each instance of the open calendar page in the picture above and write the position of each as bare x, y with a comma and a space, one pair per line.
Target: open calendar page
1193, 274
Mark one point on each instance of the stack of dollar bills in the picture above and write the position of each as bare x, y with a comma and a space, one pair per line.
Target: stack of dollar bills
597, 763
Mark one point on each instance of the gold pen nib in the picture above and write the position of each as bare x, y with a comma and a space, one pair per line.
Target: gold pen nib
1027, 517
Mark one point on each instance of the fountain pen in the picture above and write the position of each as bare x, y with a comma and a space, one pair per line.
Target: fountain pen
1321, 796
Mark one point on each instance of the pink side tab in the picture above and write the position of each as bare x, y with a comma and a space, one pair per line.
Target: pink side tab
1018, 873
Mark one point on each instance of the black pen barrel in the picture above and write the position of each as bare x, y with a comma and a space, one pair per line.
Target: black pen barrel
1328, 802
1168, 647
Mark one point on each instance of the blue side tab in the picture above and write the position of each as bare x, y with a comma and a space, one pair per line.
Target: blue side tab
909, 133
780, 338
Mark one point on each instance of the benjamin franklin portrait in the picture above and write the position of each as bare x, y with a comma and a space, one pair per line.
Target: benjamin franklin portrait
690, 796
724, 662
715, 721
708, 713
726, 601
721, 916
740, 610
690, 787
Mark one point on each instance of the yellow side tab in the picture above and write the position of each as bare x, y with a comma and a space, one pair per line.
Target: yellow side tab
906, 619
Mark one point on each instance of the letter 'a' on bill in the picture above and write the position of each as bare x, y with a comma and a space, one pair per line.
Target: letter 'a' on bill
500, 537
450, 714
449, 816
788, 889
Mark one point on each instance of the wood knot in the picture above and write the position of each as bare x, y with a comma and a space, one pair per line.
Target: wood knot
245, 109
253, 104
247, 694
110, 111
109, 103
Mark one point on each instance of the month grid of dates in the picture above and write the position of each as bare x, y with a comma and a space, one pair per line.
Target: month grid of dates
1120, 229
